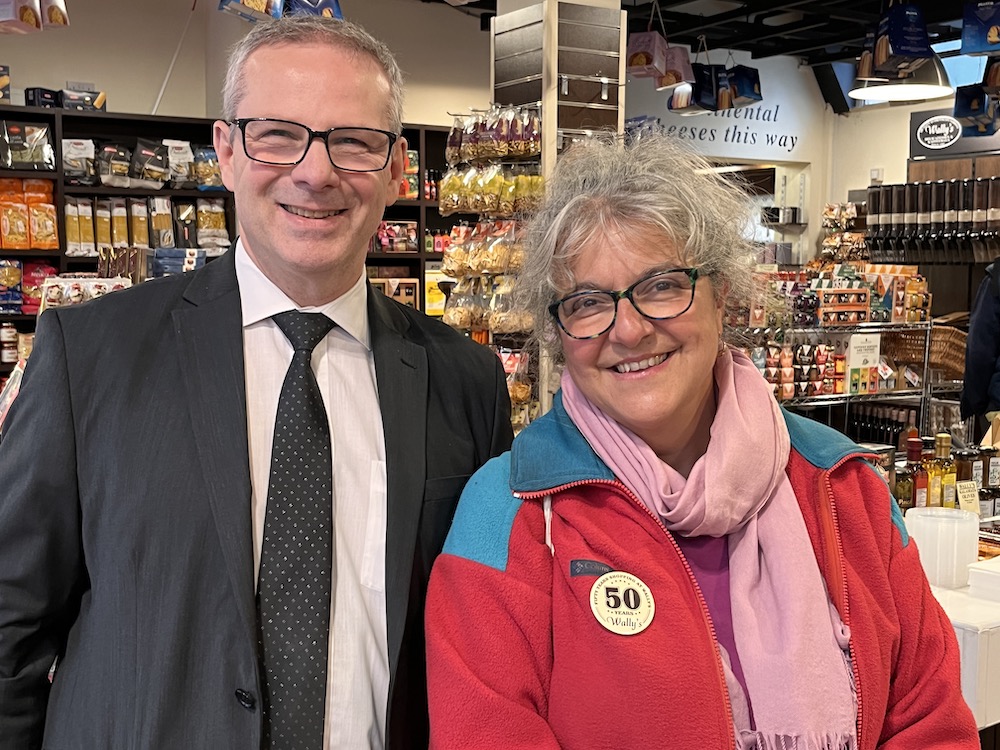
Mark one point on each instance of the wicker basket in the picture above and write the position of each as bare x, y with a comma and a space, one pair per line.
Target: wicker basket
947, 349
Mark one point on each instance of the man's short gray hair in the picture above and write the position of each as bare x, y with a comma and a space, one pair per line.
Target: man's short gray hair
309, 29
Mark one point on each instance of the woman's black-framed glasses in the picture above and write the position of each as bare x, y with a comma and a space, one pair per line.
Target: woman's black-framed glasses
285, 143
659, 296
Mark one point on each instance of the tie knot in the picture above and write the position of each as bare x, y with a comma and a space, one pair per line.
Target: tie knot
303, 330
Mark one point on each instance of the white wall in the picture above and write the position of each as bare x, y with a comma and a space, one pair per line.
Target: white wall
874, 137
793, 131
126, 48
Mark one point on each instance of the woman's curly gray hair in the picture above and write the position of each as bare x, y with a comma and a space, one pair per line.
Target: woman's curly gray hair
653, 189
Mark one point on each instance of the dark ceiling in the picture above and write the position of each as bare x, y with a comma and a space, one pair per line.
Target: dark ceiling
818, 31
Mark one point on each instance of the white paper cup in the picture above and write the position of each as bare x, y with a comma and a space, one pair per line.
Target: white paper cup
947, 540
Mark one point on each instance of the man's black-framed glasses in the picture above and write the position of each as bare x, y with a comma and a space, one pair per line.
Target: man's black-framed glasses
285, 143
659, 296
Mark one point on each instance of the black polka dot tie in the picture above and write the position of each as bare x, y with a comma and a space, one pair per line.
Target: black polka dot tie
293, 588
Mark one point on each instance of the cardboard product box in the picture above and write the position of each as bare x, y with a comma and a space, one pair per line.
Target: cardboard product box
39, 97
434, 295
973, 106
20, 16
252, 10
981, 28
54, 14
396, 237
327, 8
403, 291
646, 55
88, 101
901, 43
863, 354
4, 84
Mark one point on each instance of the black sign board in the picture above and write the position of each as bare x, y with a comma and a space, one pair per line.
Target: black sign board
935, 134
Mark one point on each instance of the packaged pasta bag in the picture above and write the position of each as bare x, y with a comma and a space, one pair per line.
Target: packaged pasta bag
42, 222
206, 169
150, 167
212, 230
112, 163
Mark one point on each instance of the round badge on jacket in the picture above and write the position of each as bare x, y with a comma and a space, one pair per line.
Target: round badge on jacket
622, 603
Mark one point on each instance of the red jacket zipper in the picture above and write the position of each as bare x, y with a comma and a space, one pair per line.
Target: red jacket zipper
826, 488
701, 598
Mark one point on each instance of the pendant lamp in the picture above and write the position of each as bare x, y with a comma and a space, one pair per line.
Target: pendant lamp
929, 81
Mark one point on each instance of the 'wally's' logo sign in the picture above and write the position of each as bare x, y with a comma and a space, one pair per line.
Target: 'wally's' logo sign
939, 132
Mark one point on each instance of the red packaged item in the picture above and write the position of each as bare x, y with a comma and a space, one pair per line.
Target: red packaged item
31, 285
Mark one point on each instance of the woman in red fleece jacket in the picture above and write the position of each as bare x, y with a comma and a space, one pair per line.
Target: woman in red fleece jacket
667, 559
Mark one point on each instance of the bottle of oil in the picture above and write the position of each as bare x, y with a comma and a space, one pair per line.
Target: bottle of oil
941, 473
906, 475
915, 460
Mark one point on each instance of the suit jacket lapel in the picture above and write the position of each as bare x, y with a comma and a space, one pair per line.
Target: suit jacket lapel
209, 331
401, 373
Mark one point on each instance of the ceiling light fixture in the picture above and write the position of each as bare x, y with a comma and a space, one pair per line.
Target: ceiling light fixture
929, 81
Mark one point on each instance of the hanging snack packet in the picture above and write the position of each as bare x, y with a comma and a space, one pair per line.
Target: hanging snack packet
453, 149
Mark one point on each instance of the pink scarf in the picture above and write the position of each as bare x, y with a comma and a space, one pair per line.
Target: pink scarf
796, 666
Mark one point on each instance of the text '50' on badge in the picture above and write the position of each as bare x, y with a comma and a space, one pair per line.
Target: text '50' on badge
622, 603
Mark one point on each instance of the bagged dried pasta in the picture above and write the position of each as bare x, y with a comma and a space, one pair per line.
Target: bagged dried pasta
206, 169
212, 230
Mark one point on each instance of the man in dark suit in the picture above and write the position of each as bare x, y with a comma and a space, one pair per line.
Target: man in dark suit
137, 472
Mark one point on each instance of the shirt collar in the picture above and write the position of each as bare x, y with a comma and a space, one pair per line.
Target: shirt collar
260, 299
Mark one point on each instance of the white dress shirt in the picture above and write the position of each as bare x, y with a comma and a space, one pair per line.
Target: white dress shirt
358, 669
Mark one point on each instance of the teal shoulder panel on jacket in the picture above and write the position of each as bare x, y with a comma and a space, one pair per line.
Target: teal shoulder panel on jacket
823, 447
818, 444
485, 516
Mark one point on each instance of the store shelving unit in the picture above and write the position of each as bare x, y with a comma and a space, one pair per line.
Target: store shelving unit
919, 396
429, 141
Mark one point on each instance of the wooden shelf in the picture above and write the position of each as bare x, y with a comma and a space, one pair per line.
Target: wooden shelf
29, 174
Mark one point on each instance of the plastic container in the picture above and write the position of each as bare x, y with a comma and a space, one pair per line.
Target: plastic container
947, 540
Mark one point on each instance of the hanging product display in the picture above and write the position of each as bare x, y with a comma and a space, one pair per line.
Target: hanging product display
981, 28
744, 83
901, 43
711, 87
646, 55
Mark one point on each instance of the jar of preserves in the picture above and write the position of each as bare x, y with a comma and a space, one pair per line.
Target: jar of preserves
8, 333
966, 464
991, 466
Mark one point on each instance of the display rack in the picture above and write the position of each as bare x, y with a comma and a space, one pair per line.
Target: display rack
921, 395
429, 141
